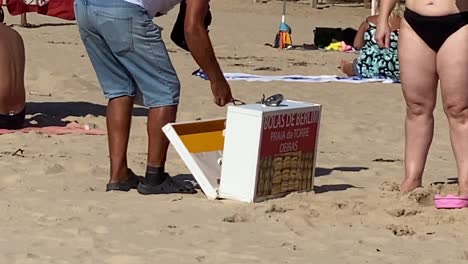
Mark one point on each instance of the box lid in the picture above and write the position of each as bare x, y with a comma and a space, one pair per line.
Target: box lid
200, 145
260, 109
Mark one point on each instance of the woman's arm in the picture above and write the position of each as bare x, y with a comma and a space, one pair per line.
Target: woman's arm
385, 9
359, 39
383, 28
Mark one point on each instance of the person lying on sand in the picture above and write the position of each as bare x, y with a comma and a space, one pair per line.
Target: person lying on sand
433, 47
12, 93
373, 61
129, 56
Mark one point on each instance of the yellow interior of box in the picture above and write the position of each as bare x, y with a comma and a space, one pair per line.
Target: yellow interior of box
202, 136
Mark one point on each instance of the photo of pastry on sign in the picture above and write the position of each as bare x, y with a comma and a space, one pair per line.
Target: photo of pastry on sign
287, 153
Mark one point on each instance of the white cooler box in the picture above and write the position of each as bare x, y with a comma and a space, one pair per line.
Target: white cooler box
258, 152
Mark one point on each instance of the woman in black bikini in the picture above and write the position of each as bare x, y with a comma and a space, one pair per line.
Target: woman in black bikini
433, 47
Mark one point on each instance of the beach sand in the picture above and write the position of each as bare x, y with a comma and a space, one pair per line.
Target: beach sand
53, 207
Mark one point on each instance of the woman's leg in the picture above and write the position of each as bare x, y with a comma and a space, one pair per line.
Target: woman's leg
347, 68
419, 80
452, 66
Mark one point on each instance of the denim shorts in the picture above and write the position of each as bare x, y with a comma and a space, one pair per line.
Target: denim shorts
127, 52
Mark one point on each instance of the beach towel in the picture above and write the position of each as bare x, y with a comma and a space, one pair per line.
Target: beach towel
70, 128
63, 9
295, 78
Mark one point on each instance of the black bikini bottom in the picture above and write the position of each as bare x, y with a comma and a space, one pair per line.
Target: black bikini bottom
435, 30
15, 121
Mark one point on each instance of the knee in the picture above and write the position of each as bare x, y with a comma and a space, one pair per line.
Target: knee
415, 109
456, 110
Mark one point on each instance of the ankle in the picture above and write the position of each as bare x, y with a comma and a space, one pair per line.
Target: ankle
119, 175
155, 175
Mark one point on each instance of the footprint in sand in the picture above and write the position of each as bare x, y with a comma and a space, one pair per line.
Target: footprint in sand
236, 218
389, 186
356, 207
275, 209
289, 245
399, 212
401, 230
422, 196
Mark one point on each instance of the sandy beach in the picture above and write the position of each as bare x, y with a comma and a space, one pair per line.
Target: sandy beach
53, 207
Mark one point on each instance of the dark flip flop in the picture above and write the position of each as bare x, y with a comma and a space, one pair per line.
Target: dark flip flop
168, 186
131, 183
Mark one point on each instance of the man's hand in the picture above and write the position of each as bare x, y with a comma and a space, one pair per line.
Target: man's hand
201, 49
221, 92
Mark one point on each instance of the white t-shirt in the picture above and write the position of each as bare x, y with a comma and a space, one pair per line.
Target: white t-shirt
155, 6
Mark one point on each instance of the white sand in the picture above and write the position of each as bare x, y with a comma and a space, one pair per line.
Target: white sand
53, 207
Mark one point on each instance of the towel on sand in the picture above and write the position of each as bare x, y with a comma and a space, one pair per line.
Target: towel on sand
70, 128
63, 9
294, 78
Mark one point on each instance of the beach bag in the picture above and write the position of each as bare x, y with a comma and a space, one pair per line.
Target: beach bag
178, 31
325, 36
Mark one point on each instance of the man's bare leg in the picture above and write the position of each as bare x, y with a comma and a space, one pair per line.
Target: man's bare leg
419, 80
156, 179
452, 65
157, 141
119, 113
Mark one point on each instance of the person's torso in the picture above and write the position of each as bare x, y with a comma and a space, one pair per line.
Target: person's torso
12, 62
437, 7
155, 6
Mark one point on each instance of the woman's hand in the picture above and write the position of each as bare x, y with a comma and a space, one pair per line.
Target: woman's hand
382, 36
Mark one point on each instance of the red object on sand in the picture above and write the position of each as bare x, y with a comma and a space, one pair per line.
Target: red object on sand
63, 9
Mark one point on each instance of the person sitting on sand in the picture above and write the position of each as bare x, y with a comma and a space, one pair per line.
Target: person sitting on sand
129, 57
373, 61
12, 93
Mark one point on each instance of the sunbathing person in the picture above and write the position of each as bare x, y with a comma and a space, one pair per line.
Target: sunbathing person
12, 94
433, 47
373, 61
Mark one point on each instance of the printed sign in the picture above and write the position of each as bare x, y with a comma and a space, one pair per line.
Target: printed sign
287, 152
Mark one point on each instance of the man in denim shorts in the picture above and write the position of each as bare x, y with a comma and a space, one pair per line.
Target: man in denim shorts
129, 56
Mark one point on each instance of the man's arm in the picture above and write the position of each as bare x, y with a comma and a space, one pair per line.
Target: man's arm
198, 40
201, 49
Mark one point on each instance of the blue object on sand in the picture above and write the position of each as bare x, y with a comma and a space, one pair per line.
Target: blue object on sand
285, 27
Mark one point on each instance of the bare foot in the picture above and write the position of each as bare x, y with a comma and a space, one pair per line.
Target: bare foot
347, 68
462, 188
409, 185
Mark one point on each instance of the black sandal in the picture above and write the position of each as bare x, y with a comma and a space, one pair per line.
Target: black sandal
131, 183
168, 186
